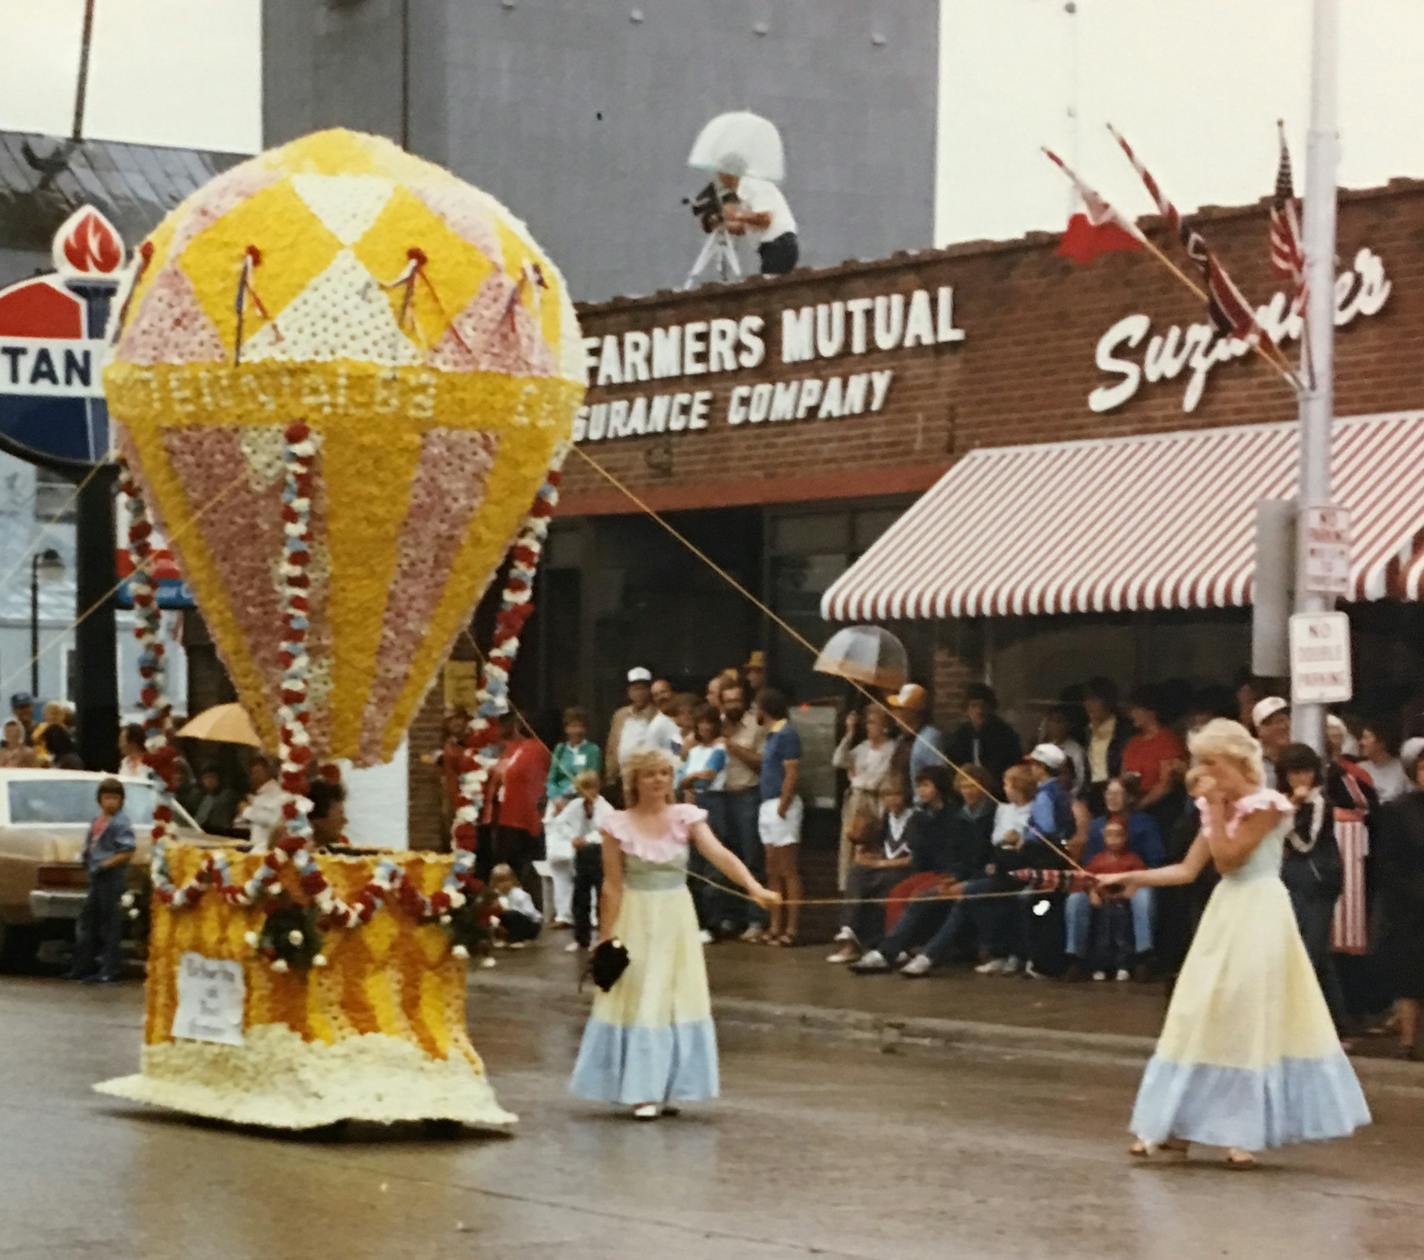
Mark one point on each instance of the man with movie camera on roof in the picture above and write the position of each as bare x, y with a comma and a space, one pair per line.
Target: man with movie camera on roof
757, 209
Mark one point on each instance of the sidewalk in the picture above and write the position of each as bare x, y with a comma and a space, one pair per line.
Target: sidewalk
953, 1007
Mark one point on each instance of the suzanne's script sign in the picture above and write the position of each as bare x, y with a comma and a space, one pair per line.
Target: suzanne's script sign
884, 324
1198, 350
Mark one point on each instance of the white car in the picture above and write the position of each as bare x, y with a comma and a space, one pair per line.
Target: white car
44, 818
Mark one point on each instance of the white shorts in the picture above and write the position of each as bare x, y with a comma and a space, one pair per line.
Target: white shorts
777, 832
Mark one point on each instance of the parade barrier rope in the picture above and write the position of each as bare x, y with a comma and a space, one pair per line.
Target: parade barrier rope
43, 532
795, 634
140, 569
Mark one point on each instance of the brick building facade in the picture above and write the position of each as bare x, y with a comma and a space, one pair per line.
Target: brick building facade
989, 344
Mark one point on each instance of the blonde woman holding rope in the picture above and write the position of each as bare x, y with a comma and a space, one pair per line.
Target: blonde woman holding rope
1248, 1057
650, 1042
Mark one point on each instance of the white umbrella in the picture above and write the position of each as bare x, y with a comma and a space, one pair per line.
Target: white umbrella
867, 655
740, 143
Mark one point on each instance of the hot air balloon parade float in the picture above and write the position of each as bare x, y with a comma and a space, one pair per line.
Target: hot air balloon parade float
344, 381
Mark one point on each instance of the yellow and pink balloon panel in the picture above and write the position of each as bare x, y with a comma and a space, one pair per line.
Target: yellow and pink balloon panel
410, 320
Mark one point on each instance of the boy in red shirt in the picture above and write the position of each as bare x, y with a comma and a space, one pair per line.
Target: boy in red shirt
1112, 945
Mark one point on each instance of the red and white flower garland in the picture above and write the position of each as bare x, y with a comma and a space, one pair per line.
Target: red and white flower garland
159, 754
515, 605
388, 882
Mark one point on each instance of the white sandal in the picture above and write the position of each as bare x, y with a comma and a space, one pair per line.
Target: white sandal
1143, 1149
648, 1111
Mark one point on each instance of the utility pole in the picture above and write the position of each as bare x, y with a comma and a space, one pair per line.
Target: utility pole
1317, 404
81, 89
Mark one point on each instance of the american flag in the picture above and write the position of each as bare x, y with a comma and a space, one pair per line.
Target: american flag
1287, 253
1226, 306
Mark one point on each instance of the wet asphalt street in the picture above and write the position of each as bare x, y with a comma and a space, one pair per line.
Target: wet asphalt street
820, 1147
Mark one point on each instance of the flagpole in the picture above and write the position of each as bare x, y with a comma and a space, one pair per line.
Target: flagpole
1074, 136
1277, 360
1318, 396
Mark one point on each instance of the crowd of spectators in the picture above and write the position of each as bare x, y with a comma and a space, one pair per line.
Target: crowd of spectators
976, 846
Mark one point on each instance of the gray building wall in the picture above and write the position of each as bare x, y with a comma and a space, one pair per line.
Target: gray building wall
580, 117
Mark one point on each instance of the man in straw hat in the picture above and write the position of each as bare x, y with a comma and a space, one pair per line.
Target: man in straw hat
910, 706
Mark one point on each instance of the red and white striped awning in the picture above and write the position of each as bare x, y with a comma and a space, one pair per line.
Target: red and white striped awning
1114, 524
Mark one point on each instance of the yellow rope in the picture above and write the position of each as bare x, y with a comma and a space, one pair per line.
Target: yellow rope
790, 629
50, 524
109, 594
918, 898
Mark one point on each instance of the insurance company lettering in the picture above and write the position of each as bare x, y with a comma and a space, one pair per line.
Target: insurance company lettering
885, 324
1197, 350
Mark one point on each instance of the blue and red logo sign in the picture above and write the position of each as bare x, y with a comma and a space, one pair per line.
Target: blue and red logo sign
51, 348
52, 409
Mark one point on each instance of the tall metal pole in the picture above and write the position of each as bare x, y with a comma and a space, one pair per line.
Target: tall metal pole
96, 682
1074, 129
35, 624
1317, 404
81, 89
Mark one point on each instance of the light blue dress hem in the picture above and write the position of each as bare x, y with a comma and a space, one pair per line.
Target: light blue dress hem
1293, 1100
672, 1063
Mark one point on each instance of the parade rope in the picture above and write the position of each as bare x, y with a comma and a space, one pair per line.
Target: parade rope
1027, 890
48, 525
117, 586
905, 899
791, 630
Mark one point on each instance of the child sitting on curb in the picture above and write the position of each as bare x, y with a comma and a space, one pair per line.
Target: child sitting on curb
1113, 944
519, 918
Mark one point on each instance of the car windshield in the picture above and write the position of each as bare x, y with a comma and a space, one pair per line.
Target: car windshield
50, 801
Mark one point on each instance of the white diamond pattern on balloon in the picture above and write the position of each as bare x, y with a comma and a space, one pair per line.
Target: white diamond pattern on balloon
342, 314
347, 205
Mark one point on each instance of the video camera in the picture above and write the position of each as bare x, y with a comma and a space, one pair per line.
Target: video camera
707, 205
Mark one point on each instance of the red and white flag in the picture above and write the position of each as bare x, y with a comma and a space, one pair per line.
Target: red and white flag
1098, 228
1226, 306
1287, 252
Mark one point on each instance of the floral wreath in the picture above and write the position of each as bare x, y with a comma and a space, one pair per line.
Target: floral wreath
463, 905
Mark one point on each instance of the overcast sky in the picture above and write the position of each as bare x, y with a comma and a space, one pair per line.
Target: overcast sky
1195, 84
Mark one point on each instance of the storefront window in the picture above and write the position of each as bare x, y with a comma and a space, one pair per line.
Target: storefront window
810, 550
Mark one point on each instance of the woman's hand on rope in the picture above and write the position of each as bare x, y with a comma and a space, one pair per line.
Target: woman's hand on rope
764, 897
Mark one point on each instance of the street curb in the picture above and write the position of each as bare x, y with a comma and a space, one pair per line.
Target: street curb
889, 1031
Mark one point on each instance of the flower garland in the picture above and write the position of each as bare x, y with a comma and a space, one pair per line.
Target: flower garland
160, 756
292, 716
515, 606
452, 905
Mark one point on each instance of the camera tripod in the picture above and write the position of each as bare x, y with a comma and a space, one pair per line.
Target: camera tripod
717, 250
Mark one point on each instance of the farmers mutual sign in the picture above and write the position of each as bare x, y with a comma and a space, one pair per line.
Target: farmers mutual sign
826, 333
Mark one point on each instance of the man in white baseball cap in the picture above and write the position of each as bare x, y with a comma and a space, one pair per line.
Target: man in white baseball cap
1272, 720
629, 729
1050, 756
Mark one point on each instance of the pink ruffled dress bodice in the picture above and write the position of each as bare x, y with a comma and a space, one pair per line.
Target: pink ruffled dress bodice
667, 849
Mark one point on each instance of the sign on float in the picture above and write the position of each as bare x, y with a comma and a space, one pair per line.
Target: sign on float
1320, 658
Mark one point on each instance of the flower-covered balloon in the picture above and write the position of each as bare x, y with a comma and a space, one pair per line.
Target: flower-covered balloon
400, 334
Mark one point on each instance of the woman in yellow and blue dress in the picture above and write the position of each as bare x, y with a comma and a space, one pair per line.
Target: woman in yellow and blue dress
649, 1042
1248, 1057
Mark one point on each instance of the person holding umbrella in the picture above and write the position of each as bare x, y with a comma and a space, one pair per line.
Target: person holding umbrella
761, 214
744, 151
